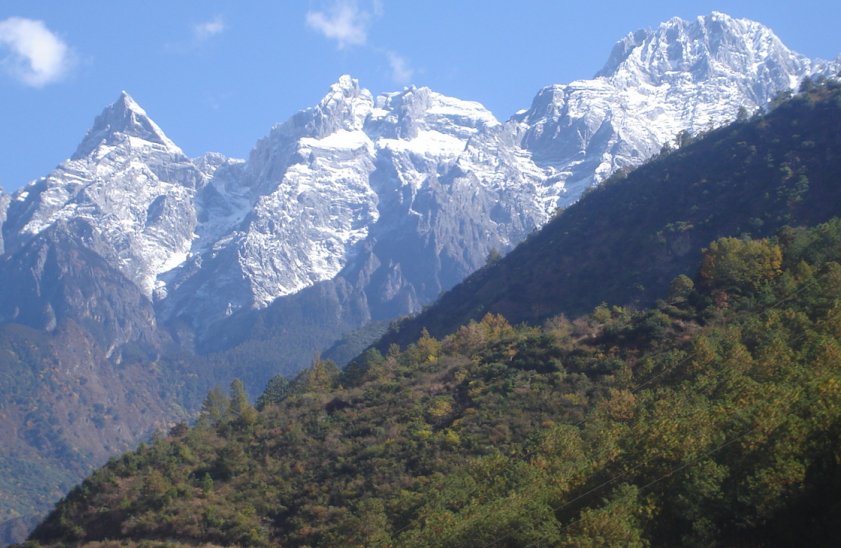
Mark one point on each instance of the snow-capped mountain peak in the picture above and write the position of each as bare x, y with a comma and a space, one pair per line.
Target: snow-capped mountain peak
355, 179
130, 184
345, 107
682, 76
712, 46
402, 114
124, 121
359, 208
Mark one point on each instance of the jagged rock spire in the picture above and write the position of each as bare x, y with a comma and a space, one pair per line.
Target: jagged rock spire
123, 118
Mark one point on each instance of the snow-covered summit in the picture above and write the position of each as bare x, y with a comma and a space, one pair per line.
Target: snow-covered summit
359, 208
400, 194
402, 114
346, 106
130, 184
682, 76
702, 50
124, 121
320, 183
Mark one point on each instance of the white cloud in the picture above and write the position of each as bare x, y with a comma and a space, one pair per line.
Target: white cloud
202, 33
208, 29
346, 23
31, 53
343, 22
401, 71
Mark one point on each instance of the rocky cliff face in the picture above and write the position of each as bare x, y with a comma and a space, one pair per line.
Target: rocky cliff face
396, 173
4, 205
359, 181
400, 196
684, 76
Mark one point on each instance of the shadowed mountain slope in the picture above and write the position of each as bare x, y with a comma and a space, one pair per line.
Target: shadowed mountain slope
624, 242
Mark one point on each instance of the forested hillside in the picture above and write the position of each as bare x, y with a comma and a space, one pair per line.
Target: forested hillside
710, 418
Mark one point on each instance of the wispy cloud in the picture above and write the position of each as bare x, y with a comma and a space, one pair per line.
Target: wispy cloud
200, 35
217, 100
31, 53
343, 22
208, 29
347, 24
401, 71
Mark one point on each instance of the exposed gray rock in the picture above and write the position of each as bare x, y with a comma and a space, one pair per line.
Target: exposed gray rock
5, 199
684, 76
416, 186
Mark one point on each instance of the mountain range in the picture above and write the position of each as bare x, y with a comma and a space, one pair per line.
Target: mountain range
351, 213
709, 418
339, 191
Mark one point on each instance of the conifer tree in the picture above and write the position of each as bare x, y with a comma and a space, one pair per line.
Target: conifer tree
215, 406
241, 411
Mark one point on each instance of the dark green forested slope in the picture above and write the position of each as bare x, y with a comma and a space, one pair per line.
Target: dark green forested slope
711, 418
624, 242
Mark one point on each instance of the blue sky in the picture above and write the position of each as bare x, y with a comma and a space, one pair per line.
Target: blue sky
216, 74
